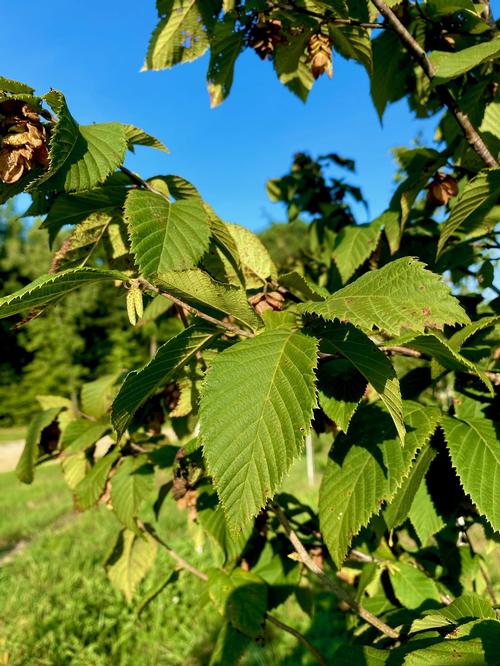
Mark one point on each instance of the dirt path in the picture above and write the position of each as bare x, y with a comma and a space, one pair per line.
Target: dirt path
9, 455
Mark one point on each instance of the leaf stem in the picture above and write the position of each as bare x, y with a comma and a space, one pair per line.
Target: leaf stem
181, 562
337, 589
472, 136
290, 630
198, 313
134, 177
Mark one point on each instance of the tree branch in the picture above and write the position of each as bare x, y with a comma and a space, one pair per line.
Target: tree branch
290, 630
402, 351
417, 52
337, 589
198, 313
184, 564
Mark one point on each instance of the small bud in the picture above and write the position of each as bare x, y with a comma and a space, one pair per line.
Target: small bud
131, 312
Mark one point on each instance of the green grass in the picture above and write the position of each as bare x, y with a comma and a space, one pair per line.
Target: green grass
13, 434
58, 608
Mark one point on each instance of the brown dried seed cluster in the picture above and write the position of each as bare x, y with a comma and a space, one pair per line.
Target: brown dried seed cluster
271, 300
265, 36
23, 141
172, 394
320, 55
441, 188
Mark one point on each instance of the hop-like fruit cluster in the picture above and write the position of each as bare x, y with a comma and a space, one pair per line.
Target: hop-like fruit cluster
23, 141
320, 55
171, 394
441, 188
265, 36
270, 300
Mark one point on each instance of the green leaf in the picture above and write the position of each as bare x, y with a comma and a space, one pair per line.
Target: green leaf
353, 42
74, 468
254, 264
81, 434
479, 194
15, 87
92, 486
129, 486
391, 64
81, 156
255, 408
98, 395
170, 358
302, 287
371, 363
78, 207
166, 236
450, 65
255, 260
48, 288
132, 558
354, 245
213, 298
475, 453
459, 338
423, 515
138, 137
292, 67
402, 294
241, 597
397, 511
340, 389
211, 517
230, 647
442, 353
26, 465
179, 37
226, 243
467, 607
411, 586
458, 653
366, 467
225, 46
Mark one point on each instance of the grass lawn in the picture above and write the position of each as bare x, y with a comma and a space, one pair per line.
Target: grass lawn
58, 608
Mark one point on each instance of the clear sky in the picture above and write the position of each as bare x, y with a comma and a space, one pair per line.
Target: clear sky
93, 52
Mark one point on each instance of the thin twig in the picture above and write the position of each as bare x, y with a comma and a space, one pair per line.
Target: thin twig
134, 177
494, 377
359, 556
337, 589
324, 18
402, 351
198, 313
184, 564
290, 630
489, 585
181, 562
417, 52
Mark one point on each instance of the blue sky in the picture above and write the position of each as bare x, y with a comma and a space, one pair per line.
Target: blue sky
93, 53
